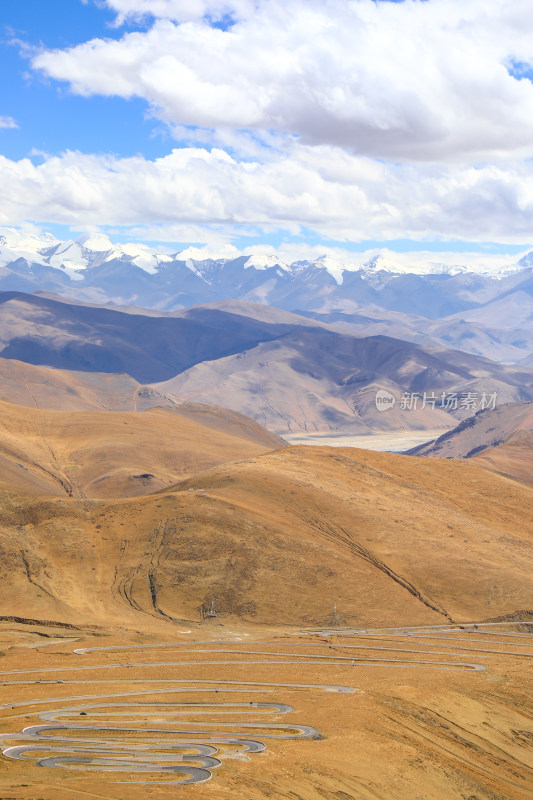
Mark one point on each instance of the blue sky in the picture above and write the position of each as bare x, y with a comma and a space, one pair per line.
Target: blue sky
303, 124
50, 117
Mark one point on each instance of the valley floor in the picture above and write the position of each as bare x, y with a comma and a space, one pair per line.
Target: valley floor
392, 441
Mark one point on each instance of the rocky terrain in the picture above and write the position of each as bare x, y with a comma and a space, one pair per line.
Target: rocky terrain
501, 439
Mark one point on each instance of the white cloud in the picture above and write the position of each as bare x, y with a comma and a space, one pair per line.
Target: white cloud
180, 10
337, 195
8, 122
212, 250
177, 232
416, 81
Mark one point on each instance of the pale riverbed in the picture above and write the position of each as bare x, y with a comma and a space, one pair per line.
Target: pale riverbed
394, 441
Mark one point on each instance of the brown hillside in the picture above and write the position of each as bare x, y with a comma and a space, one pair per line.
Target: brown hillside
514, 457
68, 390
277, 539
500, 439
110, 454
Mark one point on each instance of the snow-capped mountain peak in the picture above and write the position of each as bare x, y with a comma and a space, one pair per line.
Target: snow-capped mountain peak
94, 268
97, 242
140, 255
26, 242
16, 243
264, 261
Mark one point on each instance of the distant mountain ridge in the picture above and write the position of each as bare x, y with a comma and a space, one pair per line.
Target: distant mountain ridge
286, 372
499, 439
92, 250
486, 312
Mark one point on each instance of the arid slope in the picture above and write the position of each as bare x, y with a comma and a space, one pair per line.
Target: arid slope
68, 390
501, 439
277, 539
111, 454
318, 381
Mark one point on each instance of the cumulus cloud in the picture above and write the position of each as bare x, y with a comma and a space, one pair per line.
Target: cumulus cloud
8, 122
171, 232
218, 249
180, 10
320, 188
420, 81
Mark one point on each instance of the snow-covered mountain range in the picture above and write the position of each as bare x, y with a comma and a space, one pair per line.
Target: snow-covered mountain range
90, 250
484, 307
